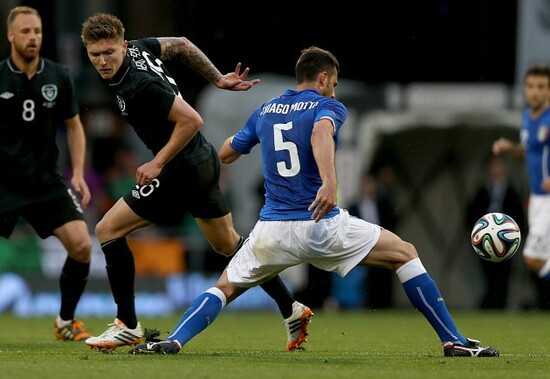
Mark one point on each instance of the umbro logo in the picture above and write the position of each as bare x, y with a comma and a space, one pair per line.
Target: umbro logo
7, 95
135, 193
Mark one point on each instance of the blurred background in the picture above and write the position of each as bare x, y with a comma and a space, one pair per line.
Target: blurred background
429, 86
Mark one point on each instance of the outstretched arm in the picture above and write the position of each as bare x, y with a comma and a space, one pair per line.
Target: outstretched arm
187, 52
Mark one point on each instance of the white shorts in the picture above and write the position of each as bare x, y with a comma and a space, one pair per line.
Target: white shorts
335, 244
537, 244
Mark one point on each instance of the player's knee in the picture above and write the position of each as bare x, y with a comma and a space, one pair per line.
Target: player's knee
223, 249
408, 251
102, 231
81, 250
230, 291
227, 246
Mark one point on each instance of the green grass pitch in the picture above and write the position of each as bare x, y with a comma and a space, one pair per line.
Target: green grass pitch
364, 344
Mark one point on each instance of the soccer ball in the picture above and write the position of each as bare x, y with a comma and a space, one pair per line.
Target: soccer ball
495, 237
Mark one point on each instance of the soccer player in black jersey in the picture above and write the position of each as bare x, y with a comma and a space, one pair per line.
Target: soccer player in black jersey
36, 95
183, 175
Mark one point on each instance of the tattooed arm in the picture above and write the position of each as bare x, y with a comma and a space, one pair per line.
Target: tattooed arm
188, 53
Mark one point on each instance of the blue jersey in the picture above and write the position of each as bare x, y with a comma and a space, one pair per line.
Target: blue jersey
283, 127
535, 139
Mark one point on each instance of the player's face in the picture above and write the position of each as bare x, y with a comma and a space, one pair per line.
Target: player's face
25, 36
537, 91
107, 56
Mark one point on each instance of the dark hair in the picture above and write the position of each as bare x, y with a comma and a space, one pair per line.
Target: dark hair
538, 70
313, 61
21, 10
101, 26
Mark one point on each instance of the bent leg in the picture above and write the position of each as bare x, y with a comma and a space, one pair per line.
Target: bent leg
392, 252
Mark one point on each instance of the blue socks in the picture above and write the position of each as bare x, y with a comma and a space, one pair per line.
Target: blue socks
425, 296
202, 312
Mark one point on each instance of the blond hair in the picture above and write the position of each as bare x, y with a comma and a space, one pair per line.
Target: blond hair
21, 10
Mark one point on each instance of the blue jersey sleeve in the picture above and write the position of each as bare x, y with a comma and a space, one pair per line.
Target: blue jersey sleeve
246, 138
336, 112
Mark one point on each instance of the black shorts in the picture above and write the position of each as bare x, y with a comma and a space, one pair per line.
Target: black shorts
52, 207
178, 190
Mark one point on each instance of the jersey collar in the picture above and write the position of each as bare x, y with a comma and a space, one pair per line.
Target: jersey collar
121, 73
13, 68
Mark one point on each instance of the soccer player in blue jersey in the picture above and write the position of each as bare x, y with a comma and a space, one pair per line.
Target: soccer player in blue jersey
300, 221
534, 147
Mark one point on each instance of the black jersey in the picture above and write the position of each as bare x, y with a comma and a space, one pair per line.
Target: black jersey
30, 113
145, 93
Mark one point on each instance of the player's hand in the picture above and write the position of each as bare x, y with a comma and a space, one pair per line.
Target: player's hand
502, 145
147, 172
80, 186
324, 202
546, 185
236, 81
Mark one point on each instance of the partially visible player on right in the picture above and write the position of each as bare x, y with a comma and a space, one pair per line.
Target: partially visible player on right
534, 147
